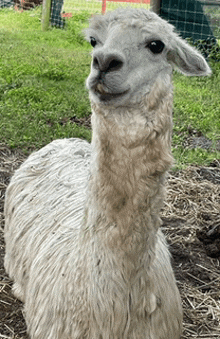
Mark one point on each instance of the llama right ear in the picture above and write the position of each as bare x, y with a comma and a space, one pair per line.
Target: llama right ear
187, 59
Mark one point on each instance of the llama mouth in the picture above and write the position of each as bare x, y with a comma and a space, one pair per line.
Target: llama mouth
104, 95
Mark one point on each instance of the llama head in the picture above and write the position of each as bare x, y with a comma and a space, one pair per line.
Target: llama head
132, 49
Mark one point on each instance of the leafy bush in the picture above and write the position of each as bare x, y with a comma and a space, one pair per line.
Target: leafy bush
209, 48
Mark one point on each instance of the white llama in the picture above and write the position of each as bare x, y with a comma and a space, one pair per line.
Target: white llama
83, 243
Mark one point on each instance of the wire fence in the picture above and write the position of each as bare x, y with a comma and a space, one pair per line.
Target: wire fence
101, 6
64, 9
192, 18
195, 19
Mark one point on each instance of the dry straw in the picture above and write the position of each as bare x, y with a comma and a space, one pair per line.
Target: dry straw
192, 206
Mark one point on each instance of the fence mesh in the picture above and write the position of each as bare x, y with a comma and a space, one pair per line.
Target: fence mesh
193, 19
100, 6
196, 19
56, 13
61, 10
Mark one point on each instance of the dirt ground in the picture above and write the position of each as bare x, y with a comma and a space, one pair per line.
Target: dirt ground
191, 221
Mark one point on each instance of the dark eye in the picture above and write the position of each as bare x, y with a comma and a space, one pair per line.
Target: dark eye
93, 41
156, 46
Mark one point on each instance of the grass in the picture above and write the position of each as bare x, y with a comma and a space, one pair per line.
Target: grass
42, 86
42, 81
196, 112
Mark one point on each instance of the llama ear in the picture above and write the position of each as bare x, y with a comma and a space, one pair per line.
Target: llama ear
187, 59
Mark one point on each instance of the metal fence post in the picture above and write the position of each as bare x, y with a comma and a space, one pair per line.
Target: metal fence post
45, 15
103, 6
155, 6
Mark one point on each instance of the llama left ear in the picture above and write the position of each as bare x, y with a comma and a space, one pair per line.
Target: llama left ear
187, 59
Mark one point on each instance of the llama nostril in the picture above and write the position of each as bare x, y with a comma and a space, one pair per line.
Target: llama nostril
107, 63
114, 65
95, 63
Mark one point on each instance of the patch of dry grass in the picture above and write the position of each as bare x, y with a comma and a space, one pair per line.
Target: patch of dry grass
192, 206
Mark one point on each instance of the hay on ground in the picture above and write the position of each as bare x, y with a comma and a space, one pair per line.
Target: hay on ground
191, 221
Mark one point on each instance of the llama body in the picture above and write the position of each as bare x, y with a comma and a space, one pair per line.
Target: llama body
83, 243
106, 290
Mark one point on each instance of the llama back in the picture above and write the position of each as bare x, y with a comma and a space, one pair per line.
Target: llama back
58, 168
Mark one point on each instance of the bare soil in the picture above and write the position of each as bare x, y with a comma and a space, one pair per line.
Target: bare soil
191, 222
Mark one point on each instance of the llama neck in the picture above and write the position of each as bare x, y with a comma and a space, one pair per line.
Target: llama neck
130, 155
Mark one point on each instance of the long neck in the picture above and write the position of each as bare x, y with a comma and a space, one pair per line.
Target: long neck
130, 154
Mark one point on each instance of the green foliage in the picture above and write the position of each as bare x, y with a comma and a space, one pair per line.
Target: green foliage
209, 48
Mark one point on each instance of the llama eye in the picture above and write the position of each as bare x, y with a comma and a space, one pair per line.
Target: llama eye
156, 46
93, 41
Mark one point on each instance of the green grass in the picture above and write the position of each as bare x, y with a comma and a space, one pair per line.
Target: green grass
42, 85
196, 108
42, 80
